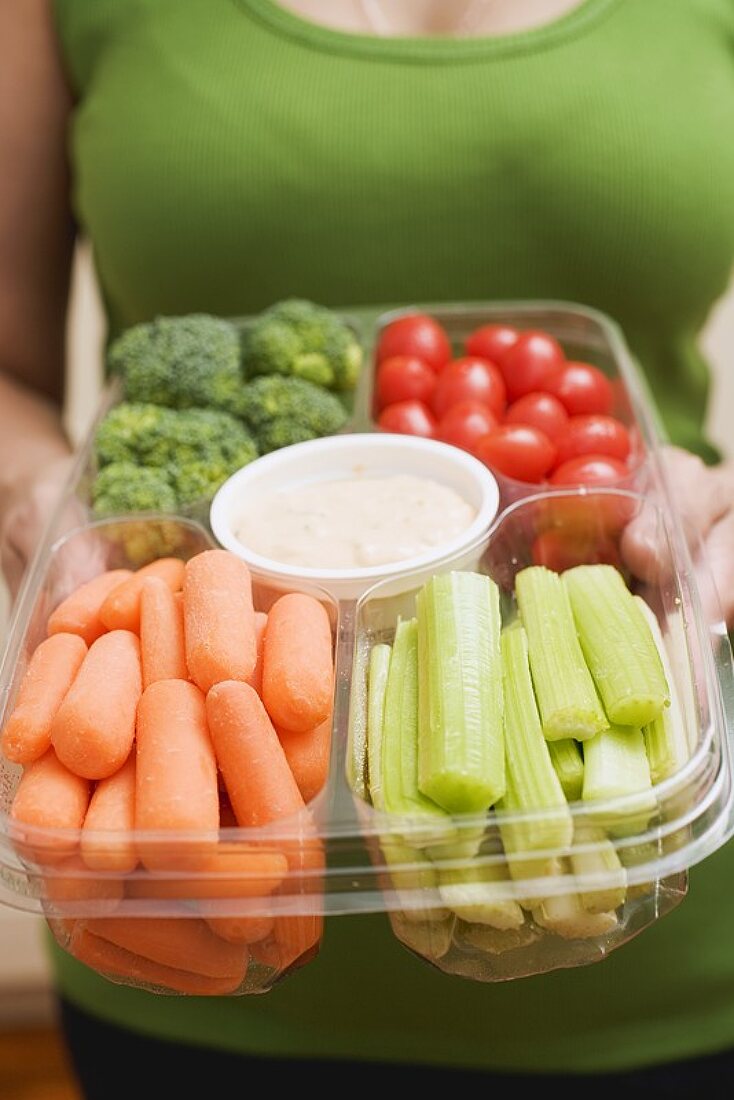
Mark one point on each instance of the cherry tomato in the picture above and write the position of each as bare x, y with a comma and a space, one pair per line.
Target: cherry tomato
592, 469
593, 434
402, 377
582, 388
410, 417
531, 361
415, 334
491, 341
540, 410
562, 549
465, 423
592, 512
518, 451
469, 379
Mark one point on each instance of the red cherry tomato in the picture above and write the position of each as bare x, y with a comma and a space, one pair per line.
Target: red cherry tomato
469, 379
518, 451
491, 342
593, 434
562, 549
596, 470
465, 423
531, 361
415, 334
408, 418
403, 377
582, 388
540, 410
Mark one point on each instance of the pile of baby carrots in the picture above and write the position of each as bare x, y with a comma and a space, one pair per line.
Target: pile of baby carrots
160, 709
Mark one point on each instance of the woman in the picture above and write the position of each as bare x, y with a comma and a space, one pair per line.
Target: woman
223, 154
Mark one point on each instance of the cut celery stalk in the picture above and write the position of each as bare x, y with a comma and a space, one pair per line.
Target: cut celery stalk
598, 859
666, 738
568, 701
460, 748
565, 916
413, 878
569, 765
531, 780
615, 766
476, 895
423, 819
378, 668
618, 645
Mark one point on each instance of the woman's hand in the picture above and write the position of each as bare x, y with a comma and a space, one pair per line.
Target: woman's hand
29, 509
704, 498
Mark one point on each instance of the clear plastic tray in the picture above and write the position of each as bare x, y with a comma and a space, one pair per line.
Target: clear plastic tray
343, 856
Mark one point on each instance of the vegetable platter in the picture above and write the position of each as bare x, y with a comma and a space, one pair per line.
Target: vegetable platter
516, 758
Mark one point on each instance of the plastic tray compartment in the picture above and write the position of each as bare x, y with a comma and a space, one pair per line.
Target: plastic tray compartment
168, 922
585, 334
546, 908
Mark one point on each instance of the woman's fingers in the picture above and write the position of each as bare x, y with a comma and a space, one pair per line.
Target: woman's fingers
718, 567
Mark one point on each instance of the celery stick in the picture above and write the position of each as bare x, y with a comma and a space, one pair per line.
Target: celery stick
615, 765
460, 747
598, 859
413, 877
618, 645
567, 698
569, 764
398, 778
565, 916
531, 781
379, 665
666, 738
476, 895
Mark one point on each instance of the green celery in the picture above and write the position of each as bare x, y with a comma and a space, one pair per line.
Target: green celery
616, 766
666, 738
379, 666
569, 764
598, 858
476, 895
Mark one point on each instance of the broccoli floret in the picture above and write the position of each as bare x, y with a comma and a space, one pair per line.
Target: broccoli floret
280, 411
300, 338
152, 436
184, 362
123, 487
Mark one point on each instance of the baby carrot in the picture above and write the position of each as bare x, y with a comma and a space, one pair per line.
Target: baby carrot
183, 943
162, 651
105, 842
48, 797
50, 673
94, 727
240, 929
297, 939
256, 679
228, 871
176, 785
79, 612
297, 680
219, 619
121, 609
308, 756
73, 883
259, 782
107, 958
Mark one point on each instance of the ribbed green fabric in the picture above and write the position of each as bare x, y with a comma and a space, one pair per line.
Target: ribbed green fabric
226, 154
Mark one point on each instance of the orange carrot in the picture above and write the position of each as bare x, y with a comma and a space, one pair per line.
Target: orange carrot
94, 727
229, 871
106, 843
259, 782
48, 798
256, 679
219, 619
240, 929
184, 943
297, 681
121, 608
176, 786
79, 612
162, 651
308, 757
73, 883
298, 939
50, 673
107, 958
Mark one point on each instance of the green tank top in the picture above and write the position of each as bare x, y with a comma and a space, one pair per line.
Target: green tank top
225, 154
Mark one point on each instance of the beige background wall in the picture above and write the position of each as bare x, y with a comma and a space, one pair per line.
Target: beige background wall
23, 974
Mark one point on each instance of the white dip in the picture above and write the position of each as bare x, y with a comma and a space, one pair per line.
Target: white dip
354, 523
